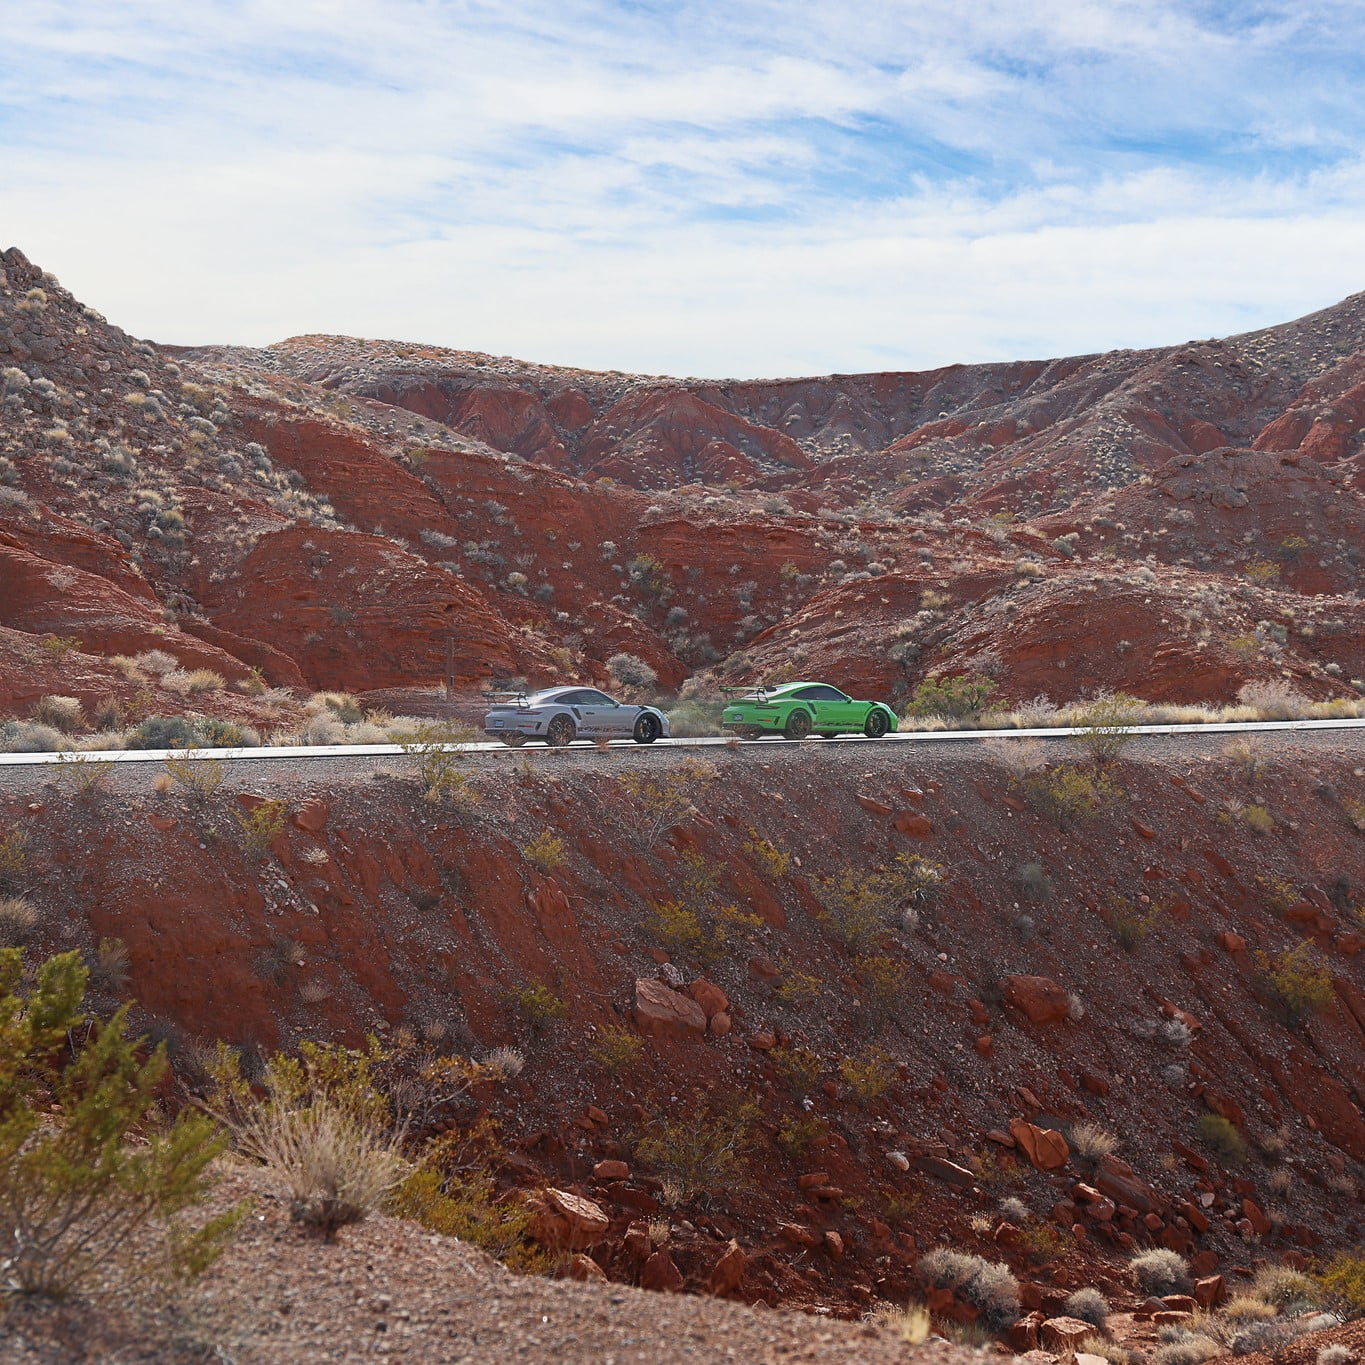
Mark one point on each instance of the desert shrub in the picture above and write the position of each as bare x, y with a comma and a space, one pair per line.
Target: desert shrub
662, 798
630, 671
772, 861
504, 1063
28, 737
1089, 1305
1283, 1287
538, 1007
1191, 1350
1223, 1138
260, 827
956, 697
798, 1068
86, 1163
797, 987
1343, 1281
86, 774
163, 732
869, 1076
13, 857
1033, 881
1104, 724
693, 718
798, 1133
858, 902
1068, 795
19, 920
1131, 922
1272, 699
910, 1324
1090, 1142
59, 646
225, 734
453, 1190
617, 1048
546, 852
342, 705
1160, 1271
199, 777
189, 682
881, 982
989, 1286
321, 1122
1297, 979
433, 747
109, 967
1338, 1353
1014, 1210
61, 713
704, 1147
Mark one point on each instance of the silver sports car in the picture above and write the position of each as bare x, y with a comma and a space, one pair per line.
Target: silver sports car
560, 715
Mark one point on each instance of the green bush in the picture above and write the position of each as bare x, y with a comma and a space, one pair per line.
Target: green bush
859, 902
1068, 795
1298, 979
85, 1163
1223, 1138
163, 732
957, 697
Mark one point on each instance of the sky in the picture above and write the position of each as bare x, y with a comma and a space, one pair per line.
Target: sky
746, 188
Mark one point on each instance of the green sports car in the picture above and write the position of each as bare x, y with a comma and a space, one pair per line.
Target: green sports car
795, 710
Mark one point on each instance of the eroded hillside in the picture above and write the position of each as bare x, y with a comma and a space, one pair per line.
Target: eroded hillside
349, 514
678, 945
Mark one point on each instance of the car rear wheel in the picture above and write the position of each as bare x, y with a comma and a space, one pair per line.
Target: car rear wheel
513, 741
646, 729
560, 731
877, 725
798, 724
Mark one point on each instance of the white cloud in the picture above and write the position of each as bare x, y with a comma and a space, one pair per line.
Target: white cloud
763, 186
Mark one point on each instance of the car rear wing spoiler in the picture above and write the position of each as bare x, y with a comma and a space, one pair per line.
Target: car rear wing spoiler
506, 698
757, 691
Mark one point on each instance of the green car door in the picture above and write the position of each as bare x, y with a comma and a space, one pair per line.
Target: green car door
834, 712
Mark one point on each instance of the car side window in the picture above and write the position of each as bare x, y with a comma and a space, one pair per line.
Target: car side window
579, 698
590, 698
821, 693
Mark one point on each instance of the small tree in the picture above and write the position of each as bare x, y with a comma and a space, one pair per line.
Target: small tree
74, 1186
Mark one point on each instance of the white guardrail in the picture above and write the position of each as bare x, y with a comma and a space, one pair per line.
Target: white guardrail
900, 736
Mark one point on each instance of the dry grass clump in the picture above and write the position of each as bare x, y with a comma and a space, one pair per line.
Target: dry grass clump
338, 1169
1090, 1142
155, 662
910, 1324
19, 920
1190, 1350
1285, 1288
61, 713
29, 737
193, 681
1160, 1271
503, 1063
